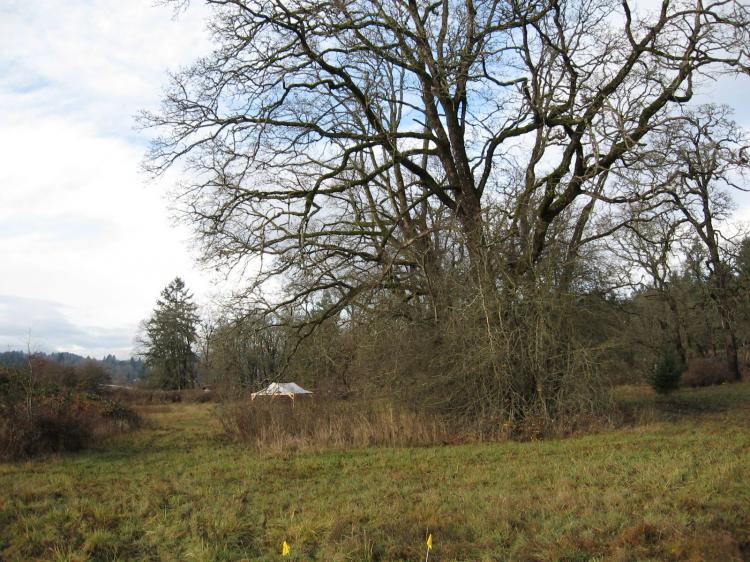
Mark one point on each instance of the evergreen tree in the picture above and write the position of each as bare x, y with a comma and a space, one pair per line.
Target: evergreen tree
665, 377
742, 262
170, 337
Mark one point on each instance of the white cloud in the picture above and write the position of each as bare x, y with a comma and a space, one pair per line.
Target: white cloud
96, 60
80, 231
49, 328
93, 231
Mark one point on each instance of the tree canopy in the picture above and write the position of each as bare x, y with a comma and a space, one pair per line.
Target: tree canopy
461, 166
350, 139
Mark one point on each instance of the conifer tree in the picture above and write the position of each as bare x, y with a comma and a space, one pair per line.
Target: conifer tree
170, 337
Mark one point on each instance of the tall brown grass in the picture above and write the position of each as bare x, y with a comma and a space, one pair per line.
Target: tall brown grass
278, 424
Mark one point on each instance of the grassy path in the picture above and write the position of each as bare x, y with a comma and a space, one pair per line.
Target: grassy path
677, 488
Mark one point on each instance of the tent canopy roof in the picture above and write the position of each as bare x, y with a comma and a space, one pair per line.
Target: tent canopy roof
281, 389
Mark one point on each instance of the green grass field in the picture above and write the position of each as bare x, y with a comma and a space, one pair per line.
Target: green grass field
674, 487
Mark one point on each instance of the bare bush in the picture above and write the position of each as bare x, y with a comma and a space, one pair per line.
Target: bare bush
541, 361
56, 422
707, 371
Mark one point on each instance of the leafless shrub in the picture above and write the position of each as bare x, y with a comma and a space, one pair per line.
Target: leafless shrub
707, 371
36, 420
537, 360
60, 423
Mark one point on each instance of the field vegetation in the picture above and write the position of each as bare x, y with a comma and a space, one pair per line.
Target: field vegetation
671, 483
46, 406
467, 226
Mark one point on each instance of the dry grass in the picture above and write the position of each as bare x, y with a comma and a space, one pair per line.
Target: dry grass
139, 396
675, 488
276, 424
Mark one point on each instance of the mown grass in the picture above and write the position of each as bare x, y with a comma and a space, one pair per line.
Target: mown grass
673, 486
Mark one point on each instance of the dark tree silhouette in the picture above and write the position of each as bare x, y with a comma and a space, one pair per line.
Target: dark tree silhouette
169, 338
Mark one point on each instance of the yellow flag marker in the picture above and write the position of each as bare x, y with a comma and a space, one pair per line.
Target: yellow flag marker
429, 542
285, 549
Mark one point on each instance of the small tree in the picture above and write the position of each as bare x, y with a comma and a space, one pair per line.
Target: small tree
665, 377
170, 337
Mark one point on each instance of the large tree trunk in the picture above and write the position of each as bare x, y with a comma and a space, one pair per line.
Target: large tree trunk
730, 338
719, 294
678, 332
732, 358
480, 262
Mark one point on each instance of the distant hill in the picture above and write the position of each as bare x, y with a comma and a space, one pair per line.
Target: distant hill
121, 370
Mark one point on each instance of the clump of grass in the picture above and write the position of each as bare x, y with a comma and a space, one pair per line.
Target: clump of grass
278, 423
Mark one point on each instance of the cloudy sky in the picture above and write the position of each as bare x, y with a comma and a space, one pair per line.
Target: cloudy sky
86, 243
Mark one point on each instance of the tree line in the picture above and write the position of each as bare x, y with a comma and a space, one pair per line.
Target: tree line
118, 371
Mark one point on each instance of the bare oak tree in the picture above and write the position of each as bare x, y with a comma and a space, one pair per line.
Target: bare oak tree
704, 154
376, 147
337, 138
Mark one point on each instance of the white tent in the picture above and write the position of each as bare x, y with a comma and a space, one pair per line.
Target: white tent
288, 389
